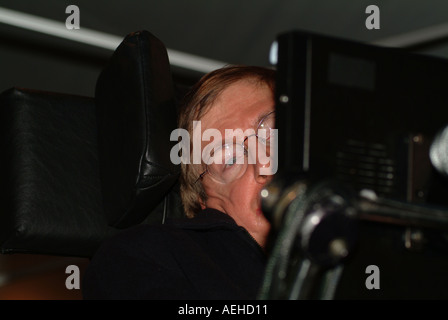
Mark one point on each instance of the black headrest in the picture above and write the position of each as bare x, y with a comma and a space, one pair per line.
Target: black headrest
136, 114
50, 198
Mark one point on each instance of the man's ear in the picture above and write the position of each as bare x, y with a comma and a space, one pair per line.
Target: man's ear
201, 203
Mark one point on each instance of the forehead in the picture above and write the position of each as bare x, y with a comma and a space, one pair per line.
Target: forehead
239, 106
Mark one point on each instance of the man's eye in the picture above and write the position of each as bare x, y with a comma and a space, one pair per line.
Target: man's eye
231, 162
238, 158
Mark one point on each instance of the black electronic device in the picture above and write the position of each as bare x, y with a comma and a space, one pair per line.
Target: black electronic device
371, 119
363, 114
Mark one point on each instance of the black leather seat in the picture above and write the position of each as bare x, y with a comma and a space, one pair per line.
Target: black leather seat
76, 170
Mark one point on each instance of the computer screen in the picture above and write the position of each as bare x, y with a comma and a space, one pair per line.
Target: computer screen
368, 117
363, 114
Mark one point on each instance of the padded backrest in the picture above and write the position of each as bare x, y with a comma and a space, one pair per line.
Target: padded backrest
49, 179
136, 114
76, 170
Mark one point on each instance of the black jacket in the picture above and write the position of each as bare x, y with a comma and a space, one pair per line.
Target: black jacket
207, 257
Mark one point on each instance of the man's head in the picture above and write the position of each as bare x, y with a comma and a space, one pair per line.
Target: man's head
231, 98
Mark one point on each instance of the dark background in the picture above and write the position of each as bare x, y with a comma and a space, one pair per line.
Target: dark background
230, 31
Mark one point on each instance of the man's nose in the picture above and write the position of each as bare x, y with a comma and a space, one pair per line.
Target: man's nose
263, 168
262, 158
263, 173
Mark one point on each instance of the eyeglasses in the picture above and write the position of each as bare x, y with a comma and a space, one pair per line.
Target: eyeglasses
229, 161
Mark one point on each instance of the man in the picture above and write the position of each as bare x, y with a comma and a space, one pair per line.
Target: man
218, 252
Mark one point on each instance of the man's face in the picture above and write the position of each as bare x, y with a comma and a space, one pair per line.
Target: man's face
240, 106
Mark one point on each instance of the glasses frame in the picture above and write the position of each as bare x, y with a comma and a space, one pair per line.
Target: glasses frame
201, 176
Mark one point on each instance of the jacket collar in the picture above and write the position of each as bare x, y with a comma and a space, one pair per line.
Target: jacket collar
209, 219
206, 219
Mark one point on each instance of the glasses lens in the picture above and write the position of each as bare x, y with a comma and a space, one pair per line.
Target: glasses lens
265, 128
229, 162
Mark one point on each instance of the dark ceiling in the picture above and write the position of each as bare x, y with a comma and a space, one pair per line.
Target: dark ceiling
231, 31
